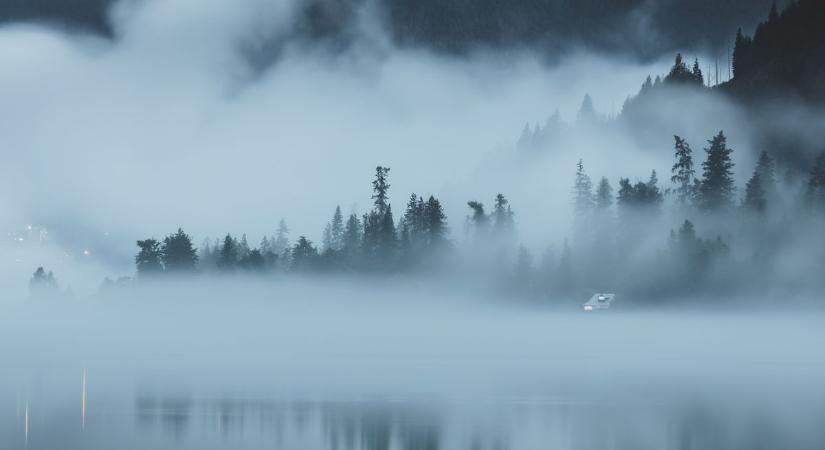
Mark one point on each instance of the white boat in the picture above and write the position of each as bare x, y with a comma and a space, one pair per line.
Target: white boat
599, 301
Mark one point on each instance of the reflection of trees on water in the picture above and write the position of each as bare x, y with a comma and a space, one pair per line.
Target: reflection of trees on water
401, 426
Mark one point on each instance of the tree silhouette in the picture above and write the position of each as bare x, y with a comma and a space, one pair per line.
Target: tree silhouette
683, 175
148, 260
228, 259
435, 224
717, 190
755, 195
43, 284
304, 255
178, 254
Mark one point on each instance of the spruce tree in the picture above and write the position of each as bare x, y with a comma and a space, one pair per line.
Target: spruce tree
717, 190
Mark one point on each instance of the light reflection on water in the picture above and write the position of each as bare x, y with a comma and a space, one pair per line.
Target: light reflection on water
181, 422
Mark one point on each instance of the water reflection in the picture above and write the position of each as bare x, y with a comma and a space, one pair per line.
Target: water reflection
377, 425
184, 422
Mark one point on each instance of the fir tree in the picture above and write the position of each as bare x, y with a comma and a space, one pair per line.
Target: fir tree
717, 189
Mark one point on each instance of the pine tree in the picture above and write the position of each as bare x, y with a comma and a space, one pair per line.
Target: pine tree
381, 187
755, 195
178, 254
478, 221
337, 230
647, 85
697, 73
281, 238
742, 55
587, 112
148, 259
679, 73
767, 175
583, 201
435, 224
604, 195
683, 174
326, 239
43, 284
304, 255
229, 254
502, 215
413, 221
352, 234
243, 247
717, 189
773, 14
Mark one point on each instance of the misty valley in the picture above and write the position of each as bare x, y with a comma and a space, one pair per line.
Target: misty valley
412, 225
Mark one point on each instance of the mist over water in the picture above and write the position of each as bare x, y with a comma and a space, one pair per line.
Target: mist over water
346, 366
464, 329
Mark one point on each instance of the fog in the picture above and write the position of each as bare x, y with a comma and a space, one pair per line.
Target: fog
175, 365
216, 118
